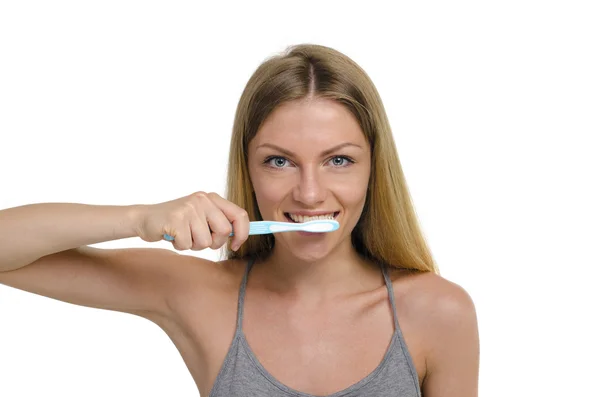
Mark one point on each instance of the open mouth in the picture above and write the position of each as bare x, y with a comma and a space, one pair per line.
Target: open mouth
301, 218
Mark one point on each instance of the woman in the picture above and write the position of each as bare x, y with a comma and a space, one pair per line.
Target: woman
361, 311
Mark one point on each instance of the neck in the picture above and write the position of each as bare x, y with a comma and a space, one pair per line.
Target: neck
340, 272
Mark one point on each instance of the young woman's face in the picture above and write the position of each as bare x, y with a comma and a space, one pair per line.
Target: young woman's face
310, 158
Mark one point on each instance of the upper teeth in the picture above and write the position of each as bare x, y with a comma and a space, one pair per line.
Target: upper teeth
302, 218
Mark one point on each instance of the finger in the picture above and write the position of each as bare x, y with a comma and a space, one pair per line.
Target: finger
201, 236
241, 228
220, 227
237, 216
182, 239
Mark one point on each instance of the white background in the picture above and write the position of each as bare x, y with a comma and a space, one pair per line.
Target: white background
495, 111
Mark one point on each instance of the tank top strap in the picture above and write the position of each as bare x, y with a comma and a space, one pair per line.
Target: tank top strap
242, 296
390, 289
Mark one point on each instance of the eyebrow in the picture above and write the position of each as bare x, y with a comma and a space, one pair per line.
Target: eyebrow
324, 153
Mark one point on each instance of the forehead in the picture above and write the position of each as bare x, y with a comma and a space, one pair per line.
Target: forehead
318, 122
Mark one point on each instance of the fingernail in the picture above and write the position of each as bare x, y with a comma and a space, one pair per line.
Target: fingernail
235, 247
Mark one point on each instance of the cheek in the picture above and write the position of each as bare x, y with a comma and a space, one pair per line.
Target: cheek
352, 196
350, 189
267, 192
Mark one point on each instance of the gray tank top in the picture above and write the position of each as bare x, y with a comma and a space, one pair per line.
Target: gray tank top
241, 373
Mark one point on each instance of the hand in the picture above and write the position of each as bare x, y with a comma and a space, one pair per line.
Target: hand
196, 222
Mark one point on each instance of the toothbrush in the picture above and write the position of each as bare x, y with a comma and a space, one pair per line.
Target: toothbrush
266, 227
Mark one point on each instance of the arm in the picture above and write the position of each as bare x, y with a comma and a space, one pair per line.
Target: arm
453, 356
30, 232
43, 251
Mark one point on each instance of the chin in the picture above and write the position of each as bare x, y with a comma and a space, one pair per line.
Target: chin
306, 248
311, 257
307, 253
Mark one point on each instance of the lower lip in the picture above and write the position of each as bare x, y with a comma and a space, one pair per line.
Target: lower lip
310, 233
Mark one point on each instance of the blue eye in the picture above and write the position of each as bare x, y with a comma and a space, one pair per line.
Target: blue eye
279, 162
339, 163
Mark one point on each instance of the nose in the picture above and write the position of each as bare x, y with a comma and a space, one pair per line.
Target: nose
310, 188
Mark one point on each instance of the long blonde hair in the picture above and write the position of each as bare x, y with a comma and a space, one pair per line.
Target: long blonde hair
388, 230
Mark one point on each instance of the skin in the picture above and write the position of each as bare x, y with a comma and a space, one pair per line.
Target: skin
316, 315
301, 178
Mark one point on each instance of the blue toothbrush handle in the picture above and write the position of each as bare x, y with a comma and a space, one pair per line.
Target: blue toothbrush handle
171, 238
268, 227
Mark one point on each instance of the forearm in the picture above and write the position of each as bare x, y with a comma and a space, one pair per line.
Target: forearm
30, 232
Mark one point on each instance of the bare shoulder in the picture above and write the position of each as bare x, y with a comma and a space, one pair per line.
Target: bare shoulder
193, 270
433, 294
444, 314
204, 284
